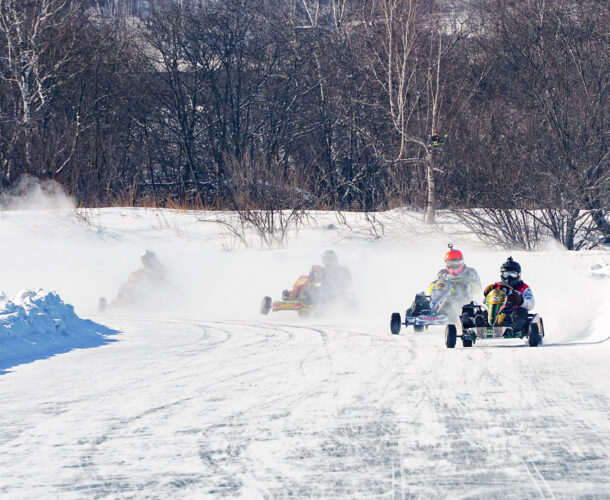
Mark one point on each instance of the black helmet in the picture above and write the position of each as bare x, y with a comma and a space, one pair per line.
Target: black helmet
510, 272
329, 258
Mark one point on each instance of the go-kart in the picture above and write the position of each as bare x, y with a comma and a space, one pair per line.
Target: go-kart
310, 294
429, 310
490, 322
141, 289
301, 298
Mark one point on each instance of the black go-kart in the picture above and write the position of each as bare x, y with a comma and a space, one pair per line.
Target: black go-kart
489, 322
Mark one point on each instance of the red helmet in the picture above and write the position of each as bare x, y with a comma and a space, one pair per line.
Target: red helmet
454, 261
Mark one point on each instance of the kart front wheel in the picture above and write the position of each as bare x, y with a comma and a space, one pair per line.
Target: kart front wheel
450, 336
395, 323
534, 335
266, 305
466, 342
418, 328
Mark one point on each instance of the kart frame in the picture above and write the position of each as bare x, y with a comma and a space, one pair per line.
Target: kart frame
533, 331
417, 322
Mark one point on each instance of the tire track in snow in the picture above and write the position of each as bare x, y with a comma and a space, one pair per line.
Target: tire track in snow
280, 409
264, 331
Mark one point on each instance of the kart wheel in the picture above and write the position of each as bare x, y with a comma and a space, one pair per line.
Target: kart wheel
541, 330
395, 323
466, 342
534, 335
418, 328
266, 305
450, 336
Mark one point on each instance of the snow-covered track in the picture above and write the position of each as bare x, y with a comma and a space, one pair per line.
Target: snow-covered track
273, 409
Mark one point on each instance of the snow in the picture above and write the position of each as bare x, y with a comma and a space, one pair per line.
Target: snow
198, 396
600, 270
38, 323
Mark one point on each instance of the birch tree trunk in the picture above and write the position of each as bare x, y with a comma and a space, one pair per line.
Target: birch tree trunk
430, 213
24, 26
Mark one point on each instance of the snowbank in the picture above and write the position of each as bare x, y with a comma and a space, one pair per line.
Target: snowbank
38, 324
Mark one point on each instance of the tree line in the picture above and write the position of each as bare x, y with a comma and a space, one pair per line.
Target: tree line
498, 108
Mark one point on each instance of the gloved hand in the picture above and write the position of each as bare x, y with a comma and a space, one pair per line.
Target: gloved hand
515, 298
488, 289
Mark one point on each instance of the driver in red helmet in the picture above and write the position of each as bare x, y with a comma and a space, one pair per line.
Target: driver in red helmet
464, 281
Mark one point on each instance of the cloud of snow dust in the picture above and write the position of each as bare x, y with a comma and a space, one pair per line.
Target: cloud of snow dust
48, 243
390, 271
88, 254
386, 271
31, 193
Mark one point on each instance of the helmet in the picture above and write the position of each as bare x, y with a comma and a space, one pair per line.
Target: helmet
149, 259
454, 261
510, 272
329, 258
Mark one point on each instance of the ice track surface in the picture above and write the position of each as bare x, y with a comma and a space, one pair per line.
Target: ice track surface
273, 409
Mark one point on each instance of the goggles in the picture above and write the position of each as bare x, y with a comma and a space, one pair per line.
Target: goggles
454, 264
510, 274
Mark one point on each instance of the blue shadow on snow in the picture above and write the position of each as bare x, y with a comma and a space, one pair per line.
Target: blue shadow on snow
42, 346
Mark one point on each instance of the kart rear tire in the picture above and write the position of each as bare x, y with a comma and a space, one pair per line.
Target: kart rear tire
265, 305
534, 337
418, 328
450, 336
466, 342
395, 323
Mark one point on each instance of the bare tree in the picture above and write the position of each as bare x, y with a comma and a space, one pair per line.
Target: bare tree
30, 61
556, 57
270, 208
408, 42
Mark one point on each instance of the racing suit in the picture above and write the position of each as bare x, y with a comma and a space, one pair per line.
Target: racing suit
326, 283
336, 281
518, 313
466, 284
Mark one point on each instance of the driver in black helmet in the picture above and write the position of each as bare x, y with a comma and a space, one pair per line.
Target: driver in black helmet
520, 299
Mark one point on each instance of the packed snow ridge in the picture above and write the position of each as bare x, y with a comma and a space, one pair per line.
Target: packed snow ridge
38, 323
601, 270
